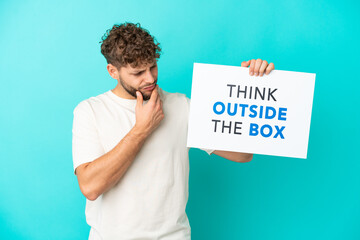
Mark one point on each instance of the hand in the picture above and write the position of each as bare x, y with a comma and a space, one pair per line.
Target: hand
258, 67
148, 117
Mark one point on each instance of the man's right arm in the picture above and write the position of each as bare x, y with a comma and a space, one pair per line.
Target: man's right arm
103, 173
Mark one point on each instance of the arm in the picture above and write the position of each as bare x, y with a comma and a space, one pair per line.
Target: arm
234, 156
100, 175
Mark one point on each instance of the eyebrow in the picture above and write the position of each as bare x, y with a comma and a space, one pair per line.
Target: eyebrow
139, 71
142, 70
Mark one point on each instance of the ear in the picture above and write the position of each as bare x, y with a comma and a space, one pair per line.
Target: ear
113, 71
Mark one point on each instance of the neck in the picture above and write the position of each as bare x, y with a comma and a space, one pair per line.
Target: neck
121, 92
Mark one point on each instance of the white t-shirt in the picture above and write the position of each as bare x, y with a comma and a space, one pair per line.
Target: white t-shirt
149, 201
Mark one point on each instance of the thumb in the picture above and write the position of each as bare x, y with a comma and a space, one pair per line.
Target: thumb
139, 99
245, 63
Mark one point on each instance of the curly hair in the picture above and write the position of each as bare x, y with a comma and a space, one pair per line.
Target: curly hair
129, 43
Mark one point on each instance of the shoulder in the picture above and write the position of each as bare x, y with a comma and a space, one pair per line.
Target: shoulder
176, 108
176, 103
178, 98
90, 104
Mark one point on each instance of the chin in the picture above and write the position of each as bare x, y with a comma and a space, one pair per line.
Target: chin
146, 97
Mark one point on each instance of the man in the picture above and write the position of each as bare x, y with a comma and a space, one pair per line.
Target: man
129, 145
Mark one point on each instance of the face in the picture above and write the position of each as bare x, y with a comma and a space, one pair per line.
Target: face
143, 79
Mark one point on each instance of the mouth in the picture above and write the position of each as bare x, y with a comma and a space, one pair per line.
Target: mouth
149, 88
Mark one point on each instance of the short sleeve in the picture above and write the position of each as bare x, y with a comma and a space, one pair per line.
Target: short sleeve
86, 145
208, 151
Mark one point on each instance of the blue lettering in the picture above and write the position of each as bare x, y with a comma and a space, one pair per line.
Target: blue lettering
254, 129
229, 108
279, 132
222, 108
243, 106
261, 111
262, 130
282, 111
267, 116
252, 109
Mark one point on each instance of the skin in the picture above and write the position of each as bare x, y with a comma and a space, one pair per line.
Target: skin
258, 67
103, 173
131, 80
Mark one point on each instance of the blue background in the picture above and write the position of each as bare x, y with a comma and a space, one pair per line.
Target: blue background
50, 61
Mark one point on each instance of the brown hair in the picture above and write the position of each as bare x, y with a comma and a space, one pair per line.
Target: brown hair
129, 43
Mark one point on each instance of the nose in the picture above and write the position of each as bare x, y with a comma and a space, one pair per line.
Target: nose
149, 78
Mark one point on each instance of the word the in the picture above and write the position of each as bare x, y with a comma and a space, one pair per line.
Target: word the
223, 126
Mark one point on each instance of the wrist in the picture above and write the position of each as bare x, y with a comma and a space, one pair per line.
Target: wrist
140, 132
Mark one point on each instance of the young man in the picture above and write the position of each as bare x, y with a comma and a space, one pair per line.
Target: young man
129, 145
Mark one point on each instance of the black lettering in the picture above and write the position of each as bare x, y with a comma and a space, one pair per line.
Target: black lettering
236, 127
224, 126
241, 91
216, 121
258, 91
231, 86
270, 94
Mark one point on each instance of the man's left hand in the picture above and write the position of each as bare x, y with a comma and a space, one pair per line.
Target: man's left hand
258, 67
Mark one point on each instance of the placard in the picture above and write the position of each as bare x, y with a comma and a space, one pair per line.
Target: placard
233, 111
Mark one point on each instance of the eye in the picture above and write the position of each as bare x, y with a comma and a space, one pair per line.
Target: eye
138, 74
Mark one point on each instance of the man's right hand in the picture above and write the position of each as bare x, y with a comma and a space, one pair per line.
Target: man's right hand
149, 116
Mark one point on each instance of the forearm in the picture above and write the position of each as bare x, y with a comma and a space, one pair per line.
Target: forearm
103, 173
234, 156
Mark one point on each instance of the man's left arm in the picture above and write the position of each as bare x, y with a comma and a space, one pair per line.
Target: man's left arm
257, 68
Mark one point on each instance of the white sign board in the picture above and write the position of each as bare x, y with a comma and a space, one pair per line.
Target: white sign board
233, 111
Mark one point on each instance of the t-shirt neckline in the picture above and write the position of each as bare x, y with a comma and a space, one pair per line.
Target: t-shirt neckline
123, 101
